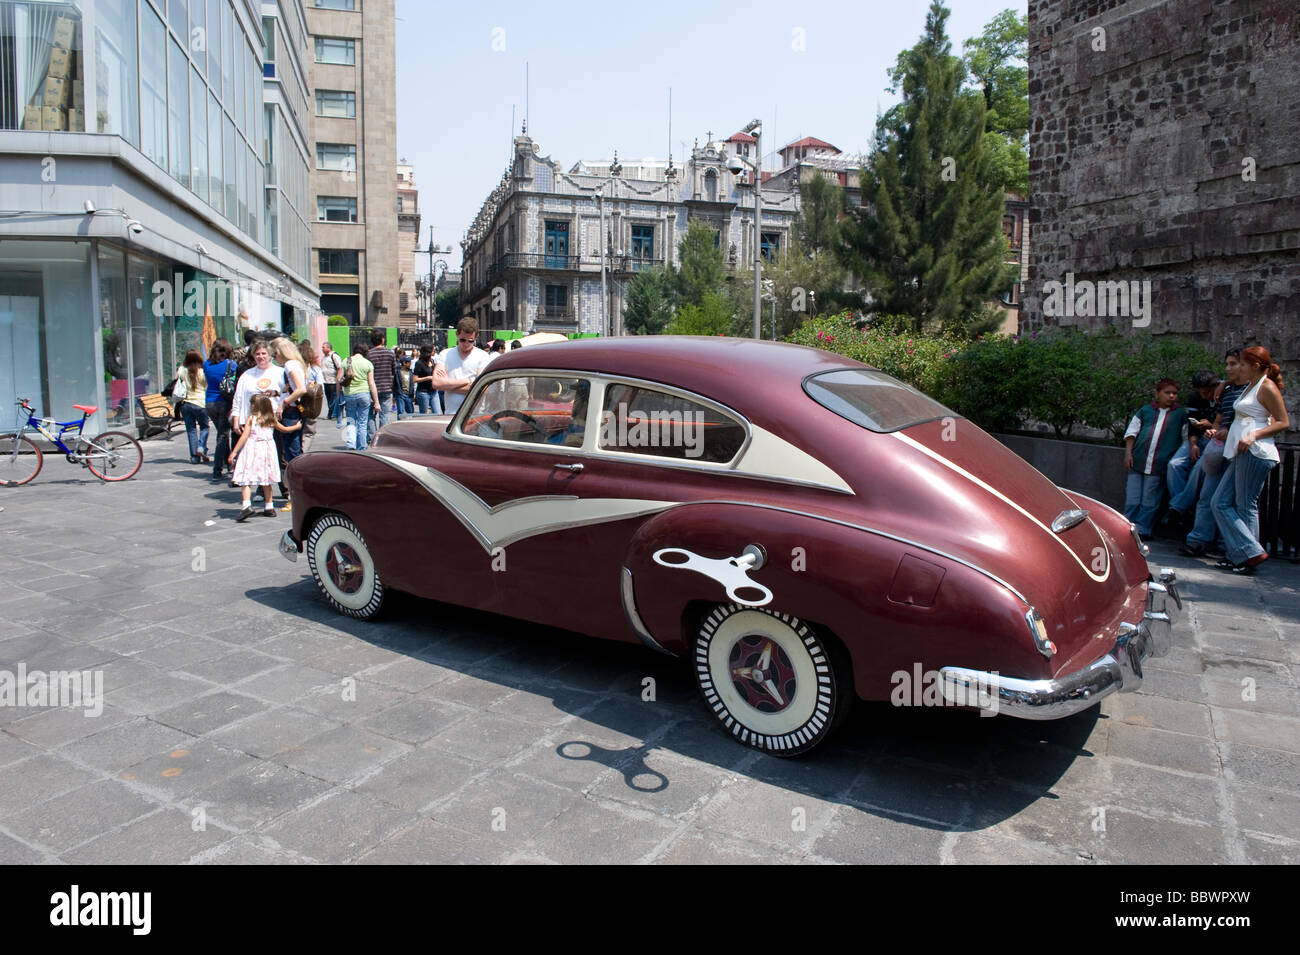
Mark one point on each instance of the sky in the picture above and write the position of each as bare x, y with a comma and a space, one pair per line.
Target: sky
599, 76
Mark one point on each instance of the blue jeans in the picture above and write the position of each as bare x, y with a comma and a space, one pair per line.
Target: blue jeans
383, 412
196, 429
356, 411
291, 440
219, 412
1204, 531
428, 402
1142, 499
1236, 505
1183, 478
404, 405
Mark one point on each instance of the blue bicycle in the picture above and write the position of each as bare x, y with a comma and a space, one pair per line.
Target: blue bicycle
111, 456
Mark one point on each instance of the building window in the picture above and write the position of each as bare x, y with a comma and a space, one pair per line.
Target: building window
556, 302
1011, 229
557, 244
153, 89
771, 245
178, 117
338, 262
336, 50
341, 157
336, 208
643, 242
338, 103
334, 4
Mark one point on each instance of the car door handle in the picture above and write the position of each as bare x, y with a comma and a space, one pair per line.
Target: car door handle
569, 467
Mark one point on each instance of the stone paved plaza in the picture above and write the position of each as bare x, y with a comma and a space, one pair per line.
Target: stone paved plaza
244, 721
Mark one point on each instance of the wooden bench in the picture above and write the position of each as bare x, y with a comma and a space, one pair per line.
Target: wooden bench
155, 414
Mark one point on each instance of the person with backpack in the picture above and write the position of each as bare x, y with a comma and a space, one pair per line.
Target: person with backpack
313, 402
220, 370
331, 367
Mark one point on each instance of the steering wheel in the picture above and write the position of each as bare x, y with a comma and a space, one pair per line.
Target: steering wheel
523, 416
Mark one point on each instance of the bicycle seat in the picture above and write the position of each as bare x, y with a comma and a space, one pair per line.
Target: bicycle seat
88, 409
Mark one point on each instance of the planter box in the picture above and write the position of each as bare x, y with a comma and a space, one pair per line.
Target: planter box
1093, 469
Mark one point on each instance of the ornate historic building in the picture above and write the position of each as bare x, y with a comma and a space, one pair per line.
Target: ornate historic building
532, 258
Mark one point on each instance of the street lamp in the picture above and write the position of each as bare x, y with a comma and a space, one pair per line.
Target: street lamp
735, 164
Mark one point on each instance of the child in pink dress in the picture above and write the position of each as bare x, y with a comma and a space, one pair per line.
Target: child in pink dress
259, 462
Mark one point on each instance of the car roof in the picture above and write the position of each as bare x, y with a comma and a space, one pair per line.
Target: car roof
757, 378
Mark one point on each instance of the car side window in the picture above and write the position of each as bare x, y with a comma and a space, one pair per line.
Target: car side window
531, 409
638, 420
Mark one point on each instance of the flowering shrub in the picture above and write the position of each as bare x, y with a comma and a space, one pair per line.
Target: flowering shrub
1063, 377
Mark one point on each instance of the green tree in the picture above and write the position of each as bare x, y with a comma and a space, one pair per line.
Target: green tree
997, 64
928, 241
702, 269
446, 308
650, 302
713, 314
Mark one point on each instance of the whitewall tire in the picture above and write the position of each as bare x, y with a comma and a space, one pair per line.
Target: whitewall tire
344, 570
770, 679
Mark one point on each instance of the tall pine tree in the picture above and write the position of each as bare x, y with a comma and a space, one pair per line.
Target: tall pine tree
927, 241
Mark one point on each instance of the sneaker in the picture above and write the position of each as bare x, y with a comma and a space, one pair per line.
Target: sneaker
288, 506
244, 514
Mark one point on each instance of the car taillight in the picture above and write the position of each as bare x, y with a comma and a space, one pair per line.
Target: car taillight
1039, 631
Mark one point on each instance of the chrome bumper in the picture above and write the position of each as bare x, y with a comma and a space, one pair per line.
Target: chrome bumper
288, 546
1120, 669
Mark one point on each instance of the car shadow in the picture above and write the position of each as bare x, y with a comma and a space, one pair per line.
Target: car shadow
938, 768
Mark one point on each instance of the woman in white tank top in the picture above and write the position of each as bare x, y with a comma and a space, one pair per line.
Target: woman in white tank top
1260, 414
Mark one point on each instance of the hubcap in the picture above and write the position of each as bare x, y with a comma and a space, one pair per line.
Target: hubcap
762, 673
344, 567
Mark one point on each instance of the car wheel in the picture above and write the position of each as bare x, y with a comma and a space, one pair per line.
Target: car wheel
344, 570
772, 681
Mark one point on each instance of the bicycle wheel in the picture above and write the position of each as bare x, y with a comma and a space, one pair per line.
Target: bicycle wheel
20, 460
114, 456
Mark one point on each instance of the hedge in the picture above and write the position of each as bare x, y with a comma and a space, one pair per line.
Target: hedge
1063, 378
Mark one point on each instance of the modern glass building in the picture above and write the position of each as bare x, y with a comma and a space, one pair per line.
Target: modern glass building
153, 183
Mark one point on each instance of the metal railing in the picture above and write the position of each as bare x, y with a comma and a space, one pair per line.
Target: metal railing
1279, 505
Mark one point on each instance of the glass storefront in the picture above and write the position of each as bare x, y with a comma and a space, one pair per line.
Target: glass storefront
60, 345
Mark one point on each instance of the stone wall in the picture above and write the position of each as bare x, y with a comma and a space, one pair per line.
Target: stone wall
1165, 147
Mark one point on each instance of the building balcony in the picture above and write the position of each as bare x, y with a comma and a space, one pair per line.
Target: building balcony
634, 263
557, 315
532, 260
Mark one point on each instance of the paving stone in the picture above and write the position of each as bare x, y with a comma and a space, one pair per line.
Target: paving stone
1138, 840
609, 837
1271, 852
1262, 767
232, 667
1266, 811
274, 732
414, 721
854, 837
204, 714
186, 770
13, 749
430, 842
743, 808
1141, 709
986, 848
338, 828
340, 754
13, 852
486, 738
711, 848
79, 816
179, 654
470, 691
1158, 792
661, 783
256, 795
156, 693
166, 837
1190, 754
41, 777
122, 746
416, 779
60, 725
288, 683
504, 807
1261, 730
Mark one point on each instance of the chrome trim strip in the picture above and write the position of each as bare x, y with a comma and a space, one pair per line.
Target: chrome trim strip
288, 547
1067, 519
978, 482
634, 618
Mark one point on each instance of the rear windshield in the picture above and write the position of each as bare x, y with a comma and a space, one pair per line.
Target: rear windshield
873, 400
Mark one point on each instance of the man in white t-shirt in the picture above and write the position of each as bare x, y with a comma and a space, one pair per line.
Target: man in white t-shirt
456, 369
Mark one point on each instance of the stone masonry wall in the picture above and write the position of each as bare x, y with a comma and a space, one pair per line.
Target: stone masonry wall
1165, 146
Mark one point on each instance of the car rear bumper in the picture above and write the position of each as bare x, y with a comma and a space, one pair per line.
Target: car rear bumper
1119, 670
289, 548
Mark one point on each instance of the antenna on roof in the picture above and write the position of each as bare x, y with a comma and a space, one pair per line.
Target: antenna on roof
525, 96
670, 172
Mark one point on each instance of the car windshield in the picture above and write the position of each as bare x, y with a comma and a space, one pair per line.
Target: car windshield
873, 400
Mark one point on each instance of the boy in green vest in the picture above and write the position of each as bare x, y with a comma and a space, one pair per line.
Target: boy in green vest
1153, 435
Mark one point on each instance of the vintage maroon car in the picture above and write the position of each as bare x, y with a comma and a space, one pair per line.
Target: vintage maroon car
801, 528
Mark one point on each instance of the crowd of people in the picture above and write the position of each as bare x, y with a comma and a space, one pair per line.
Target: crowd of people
1213, 455
264, 400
